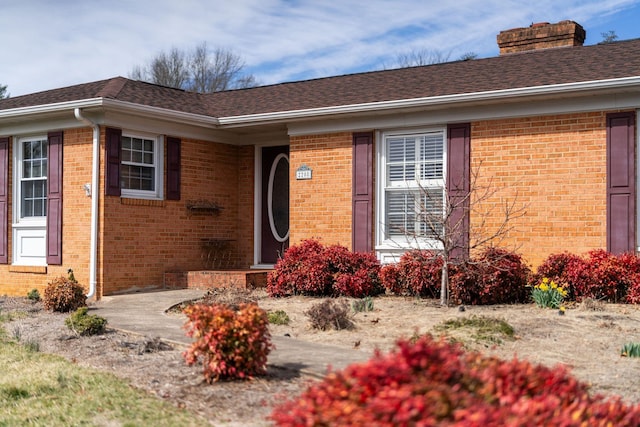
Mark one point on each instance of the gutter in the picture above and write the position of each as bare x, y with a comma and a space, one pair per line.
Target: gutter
95, 173
112, 104
562, 89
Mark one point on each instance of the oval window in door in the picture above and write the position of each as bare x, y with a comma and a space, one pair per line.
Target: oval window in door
278, 198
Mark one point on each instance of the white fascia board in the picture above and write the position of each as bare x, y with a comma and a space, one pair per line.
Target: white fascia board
463, 113
432, 101
50, 108
161, 113
106, 103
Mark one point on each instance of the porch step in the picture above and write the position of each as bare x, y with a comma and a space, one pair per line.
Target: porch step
207, 279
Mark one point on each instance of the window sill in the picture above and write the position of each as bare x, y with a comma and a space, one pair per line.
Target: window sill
37, 269
142, 202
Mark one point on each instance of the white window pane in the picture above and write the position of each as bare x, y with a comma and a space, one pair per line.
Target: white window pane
136, 157
414, 212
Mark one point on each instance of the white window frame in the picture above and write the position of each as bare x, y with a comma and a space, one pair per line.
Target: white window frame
29, 234
158, 165
390, 249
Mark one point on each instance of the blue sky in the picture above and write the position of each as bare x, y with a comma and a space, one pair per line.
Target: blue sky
48, 44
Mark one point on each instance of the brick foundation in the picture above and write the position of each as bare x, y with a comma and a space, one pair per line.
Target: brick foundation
241, 279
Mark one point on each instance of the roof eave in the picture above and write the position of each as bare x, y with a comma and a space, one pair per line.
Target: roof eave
161, 113
114, 105
426, 102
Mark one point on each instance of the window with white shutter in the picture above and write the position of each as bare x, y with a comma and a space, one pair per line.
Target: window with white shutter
412, 197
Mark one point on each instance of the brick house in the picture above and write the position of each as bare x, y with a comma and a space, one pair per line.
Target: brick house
124, 181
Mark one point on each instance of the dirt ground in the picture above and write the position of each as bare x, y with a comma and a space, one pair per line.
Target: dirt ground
588, 339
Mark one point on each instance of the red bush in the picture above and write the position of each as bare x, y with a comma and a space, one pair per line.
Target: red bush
602, 278
555, 268
631, 265
312, 269
496, 276
419, 272
597, 275
434, 383
302, 270
64, 295
231, 343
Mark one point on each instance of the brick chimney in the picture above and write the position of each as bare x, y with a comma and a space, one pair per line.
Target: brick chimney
541, 36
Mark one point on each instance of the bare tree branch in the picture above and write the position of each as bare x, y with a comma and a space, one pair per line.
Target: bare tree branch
443, 214
199, 71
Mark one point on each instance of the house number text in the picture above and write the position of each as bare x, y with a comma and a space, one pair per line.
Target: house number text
303, 172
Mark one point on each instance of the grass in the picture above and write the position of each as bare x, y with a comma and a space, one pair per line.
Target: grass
477, 328
39, 389
278, 317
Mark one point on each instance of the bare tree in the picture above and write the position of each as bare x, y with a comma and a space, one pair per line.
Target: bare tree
609, 37
3, 92
443, 217
217, 71
417, 58
467, 56
421, 57
199, 71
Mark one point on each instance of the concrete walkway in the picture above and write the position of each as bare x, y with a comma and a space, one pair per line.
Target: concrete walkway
145, 314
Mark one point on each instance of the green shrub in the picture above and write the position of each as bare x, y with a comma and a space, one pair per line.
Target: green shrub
478, 328
630, 349
362, 305
278, 317
233, 344
64, 295
435, 383
85, 324
33, 295
329, 314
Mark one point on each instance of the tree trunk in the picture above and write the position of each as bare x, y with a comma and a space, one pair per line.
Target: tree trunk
444, 286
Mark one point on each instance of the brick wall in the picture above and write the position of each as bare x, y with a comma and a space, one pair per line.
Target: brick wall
321, 207
553, 165
18, 280
142, 239
245, 227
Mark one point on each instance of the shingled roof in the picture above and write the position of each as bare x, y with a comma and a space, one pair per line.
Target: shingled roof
521, 70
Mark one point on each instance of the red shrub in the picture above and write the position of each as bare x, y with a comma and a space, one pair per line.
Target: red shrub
630, 263
418, 272
311, 269
434, 383
497, 276
231, 343
597, 275
556, 267
601, 275
390, 277
64, 295
302, 270
605, 277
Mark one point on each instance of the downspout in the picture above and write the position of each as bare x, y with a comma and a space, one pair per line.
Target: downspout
95, 173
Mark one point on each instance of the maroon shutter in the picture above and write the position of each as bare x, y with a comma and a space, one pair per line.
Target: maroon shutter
621, 193
173, 168
458, 187
54, 199
362, 234
4, 189
113, 148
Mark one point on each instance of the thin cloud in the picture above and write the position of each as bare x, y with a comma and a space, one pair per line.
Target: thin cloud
53, 44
